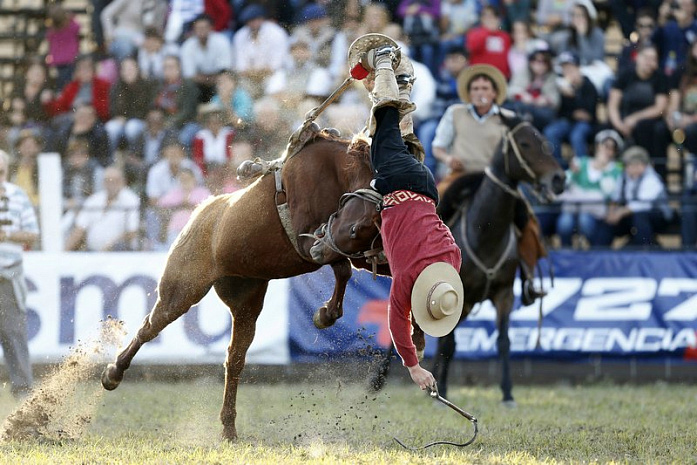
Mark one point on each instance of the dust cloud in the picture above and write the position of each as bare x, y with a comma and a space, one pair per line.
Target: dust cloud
63, 404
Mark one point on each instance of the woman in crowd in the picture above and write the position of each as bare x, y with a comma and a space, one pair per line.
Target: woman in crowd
590, 183
533, 93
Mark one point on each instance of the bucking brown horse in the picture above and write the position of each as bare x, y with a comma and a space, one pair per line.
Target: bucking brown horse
237, 242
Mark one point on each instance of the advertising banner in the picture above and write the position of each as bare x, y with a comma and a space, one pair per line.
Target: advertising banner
70, 293
610, 303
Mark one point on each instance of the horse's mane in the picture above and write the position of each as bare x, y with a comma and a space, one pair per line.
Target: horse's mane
455, 195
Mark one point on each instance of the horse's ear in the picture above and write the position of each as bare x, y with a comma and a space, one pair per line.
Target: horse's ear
509, 117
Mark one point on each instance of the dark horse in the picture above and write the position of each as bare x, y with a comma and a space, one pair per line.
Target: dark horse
236, 243
482, 224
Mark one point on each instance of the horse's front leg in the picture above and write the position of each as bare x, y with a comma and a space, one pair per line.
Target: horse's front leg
503, 302
333, 309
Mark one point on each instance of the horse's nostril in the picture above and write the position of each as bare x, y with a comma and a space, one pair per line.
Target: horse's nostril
558, 182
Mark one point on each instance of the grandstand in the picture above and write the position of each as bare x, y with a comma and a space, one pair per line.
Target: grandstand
25, 25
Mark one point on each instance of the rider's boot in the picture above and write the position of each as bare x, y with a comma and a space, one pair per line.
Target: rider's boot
404, 74
385, 91
530, 250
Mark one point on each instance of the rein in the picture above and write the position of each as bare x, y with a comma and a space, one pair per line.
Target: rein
489, 272
372, 255
433, 393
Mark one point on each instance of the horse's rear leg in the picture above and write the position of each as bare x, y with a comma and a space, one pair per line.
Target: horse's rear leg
333, 309
441, 365
174, 299
245, 297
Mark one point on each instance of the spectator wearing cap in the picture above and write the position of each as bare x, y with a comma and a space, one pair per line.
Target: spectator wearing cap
639, 207
260, 48
24, 171
638, 101
488, 44
583, 37
590, 183
533, 94
124, 23
577, 112
204, 55
315, 30
152, 53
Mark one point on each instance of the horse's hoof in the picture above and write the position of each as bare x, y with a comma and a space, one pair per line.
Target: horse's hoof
230, 436
318, 320
111, 377
509, 403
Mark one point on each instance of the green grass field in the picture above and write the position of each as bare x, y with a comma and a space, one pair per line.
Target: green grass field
333, 422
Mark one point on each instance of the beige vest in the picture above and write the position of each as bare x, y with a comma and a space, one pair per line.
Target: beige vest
475, 142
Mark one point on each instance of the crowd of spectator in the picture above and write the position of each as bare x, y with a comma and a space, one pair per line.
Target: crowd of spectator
176, 94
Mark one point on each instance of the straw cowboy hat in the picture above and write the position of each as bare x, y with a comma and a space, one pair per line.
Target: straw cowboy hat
437, 299
466, 76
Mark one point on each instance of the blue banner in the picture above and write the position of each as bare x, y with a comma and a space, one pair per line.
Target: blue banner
610, 303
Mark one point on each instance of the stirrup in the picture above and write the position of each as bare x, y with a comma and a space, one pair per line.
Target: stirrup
529, 294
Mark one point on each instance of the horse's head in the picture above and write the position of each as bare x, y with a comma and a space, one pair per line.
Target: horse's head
352, 230
525, 155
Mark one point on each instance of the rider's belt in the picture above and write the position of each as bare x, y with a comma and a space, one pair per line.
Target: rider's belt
401, 196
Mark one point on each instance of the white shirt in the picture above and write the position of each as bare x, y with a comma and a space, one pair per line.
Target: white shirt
212, 58
20, 215
161, 179
424, 91
270, 49
105, 225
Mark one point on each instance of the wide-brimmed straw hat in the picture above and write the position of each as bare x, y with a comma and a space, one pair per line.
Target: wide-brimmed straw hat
437, 299
469, 73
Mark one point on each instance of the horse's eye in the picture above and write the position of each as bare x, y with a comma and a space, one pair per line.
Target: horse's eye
352, 232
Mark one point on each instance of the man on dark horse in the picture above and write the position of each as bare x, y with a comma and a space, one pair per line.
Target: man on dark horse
423, 256
466, 140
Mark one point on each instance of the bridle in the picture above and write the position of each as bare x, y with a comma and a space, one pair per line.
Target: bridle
374, 255
509, 141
